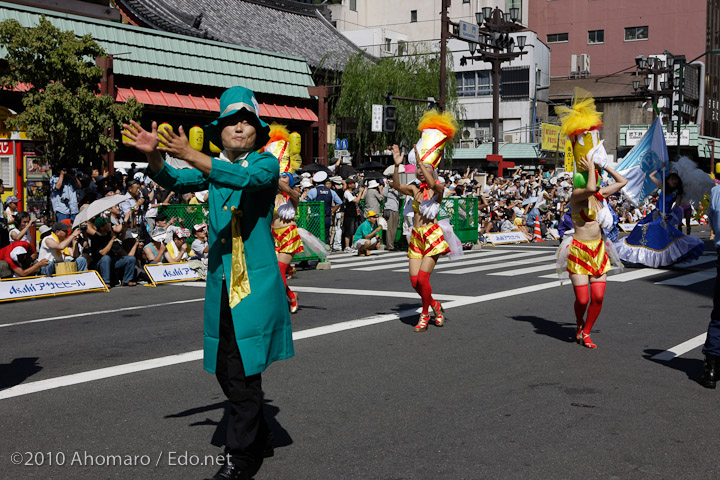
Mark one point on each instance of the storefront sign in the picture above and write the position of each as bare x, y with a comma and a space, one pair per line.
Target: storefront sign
633, 136
48, 286
507, 237
550, 137
171, 272
6, 148
569, 157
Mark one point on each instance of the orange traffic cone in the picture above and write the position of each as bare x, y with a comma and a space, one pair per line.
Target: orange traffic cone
537, 234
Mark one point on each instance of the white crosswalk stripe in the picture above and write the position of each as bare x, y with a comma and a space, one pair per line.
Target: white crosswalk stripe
470, 258
499, 261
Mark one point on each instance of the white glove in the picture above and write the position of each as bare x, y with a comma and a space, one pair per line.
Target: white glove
598, 155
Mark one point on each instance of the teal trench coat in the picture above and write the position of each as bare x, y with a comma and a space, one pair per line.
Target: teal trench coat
262, 320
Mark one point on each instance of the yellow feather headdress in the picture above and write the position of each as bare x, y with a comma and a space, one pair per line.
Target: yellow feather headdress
437, 129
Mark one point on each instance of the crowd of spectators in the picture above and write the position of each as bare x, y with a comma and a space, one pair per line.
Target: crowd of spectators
117, 242
361, 212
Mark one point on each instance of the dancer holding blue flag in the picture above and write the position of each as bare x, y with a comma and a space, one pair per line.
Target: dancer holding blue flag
655, 241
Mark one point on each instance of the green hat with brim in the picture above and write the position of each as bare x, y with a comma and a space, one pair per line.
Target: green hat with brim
233, 101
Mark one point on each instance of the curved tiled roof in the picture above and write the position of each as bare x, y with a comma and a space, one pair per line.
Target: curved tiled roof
282, 26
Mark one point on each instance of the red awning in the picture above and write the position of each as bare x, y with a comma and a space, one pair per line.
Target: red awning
210, 104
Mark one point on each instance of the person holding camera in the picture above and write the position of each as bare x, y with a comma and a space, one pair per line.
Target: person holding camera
63, 194
61, 245
108, 253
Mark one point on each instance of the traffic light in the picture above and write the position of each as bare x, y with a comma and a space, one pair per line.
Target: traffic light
389, 120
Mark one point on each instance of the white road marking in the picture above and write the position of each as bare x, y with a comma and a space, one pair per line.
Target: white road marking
102, 373
125, 309
495, 266
373, 293
635, 274
680, 349
690, 279
523, 271
485, 258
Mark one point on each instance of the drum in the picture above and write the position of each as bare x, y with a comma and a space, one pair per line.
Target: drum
66, 267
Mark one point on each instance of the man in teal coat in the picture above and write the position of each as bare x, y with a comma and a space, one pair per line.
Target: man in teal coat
247, 324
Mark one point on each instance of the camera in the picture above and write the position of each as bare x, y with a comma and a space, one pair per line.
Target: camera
65, 200
83, 227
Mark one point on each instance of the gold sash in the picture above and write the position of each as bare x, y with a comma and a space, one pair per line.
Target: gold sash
239, 280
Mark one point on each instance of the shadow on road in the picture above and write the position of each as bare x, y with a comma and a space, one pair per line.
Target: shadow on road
561, 331
692, 367
15, 372
411, 320
280, 436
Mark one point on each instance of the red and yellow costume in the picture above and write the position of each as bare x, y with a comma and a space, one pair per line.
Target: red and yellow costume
287, 240
588, 258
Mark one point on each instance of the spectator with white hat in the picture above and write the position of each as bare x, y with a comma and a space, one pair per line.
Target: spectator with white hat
373, 197
324, 193
19, 257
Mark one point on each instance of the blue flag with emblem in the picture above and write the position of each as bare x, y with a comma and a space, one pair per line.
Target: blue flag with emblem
648, 155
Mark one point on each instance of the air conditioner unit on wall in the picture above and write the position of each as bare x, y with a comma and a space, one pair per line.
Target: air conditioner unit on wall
584, 63
573, 63
508, 138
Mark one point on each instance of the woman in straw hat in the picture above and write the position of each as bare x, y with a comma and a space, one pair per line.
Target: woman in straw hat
427, 241
247, 323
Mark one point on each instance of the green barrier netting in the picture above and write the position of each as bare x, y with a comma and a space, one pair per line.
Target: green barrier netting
311, 217
187, 215
463, 215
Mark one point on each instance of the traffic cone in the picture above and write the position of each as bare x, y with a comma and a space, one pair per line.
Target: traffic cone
537, 234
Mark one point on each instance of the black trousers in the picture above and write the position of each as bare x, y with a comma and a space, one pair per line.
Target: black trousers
712, 343
247, 431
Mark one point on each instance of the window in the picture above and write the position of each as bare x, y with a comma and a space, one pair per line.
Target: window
413, 16
466, 1
636, 33
402, 47
388, 45
557, 37
353, 5
514, 4
474, 84
596, 36
515, 83
6, 172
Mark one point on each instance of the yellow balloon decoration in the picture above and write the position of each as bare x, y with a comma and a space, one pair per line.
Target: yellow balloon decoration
164, 127
196, 138
295, 143
214, 148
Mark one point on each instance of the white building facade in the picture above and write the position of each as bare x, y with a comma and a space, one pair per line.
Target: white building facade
397, 27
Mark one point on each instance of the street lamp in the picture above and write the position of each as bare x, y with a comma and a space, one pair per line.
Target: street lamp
495, 47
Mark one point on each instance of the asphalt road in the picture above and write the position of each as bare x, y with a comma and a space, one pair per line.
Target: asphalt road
110, 385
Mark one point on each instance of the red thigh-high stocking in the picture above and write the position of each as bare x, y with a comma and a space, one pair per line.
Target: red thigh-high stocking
414, 283
582, 298
283, 273
597, 295
425, 290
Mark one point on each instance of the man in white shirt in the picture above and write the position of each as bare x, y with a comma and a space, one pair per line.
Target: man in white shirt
61, 245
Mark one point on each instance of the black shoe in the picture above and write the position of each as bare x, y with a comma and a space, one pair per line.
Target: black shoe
231, 471
710, 373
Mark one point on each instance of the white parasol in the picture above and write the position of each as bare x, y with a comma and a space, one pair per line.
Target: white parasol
98, 207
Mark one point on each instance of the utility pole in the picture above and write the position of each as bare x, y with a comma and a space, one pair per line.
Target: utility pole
444, 34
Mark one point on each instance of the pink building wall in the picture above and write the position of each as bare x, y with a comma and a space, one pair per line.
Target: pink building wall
675, 25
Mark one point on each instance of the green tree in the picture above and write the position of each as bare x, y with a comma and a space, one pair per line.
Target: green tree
62, 101
365, 82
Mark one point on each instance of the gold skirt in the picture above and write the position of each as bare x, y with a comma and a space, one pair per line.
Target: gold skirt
287, 240
427, 241
588, 258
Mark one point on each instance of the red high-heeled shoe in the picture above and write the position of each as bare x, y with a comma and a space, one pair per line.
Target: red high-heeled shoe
423, 322
586, 342
439, 312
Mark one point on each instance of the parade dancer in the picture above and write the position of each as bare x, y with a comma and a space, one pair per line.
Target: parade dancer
247, 324
587, 259
285, 232
427, 241
586, 252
